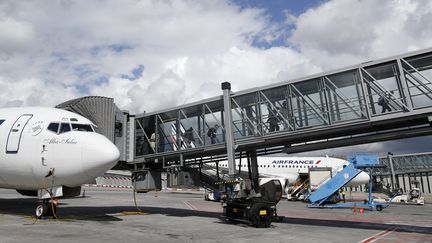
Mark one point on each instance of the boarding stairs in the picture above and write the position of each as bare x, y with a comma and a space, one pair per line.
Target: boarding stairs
320, 197
332, 186
208, 177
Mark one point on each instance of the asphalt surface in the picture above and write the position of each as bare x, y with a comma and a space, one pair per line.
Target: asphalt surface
108, 215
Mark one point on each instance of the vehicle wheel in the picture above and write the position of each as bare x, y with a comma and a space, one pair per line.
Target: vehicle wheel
41, 210
254, 220
379, 208
257, 220
267, 222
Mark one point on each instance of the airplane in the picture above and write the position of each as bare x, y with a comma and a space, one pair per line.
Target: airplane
50, 153
289, 169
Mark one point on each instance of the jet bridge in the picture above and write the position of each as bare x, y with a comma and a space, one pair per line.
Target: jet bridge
327, 110
374, 101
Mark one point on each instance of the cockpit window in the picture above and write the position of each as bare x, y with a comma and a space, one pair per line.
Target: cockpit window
53, 127
64, 127
82, 127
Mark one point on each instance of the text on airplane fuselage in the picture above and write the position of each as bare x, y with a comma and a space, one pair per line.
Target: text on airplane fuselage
296, 162
60, 141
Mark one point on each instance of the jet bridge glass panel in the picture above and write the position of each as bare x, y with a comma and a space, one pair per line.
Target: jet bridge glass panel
145, 136
275, 110
167, 131
245, 115
213, 126
344, 96
418, 74
191, 127
307, 104
383, 87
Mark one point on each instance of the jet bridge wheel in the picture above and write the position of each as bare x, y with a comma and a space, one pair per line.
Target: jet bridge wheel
259, 220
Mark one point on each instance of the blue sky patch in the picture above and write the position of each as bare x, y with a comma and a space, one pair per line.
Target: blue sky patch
136, 73
276, 8
119, 47
276, 11
84, 88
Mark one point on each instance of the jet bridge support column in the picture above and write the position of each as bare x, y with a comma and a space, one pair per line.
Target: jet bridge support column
228, 124
393, 177
253, 170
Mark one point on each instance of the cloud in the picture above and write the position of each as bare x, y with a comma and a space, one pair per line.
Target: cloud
15, 37
149, 55
344, 32
91, 48
32, 92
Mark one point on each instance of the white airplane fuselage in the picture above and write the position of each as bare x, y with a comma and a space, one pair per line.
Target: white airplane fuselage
35, 141
288, 169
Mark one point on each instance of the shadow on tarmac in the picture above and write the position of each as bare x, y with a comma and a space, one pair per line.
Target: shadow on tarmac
357, 225
26, 207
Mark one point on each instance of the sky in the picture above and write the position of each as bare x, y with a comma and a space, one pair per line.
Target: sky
150, 55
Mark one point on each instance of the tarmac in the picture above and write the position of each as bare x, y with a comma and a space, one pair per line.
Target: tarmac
110, 215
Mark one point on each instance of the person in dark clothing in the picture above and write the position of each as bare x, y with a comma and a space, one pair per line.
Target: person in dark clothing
212, 133
383, 101
188, 137
273, 121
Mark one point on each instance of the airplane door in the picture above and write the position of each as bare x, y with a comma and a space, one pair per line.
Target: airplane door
15, 133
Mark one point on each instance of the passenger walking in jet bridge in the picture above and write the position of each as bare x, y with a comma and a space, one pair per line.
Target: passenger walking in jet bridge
383, 101
188, 137
211, 133
273, 121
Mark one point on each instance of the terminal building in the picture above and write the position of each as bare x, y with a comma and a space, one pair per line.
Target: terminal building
380, 100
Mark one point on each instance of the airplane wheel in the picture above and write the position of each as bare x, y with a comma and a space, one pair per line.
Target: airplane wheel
379, 208
52, 209
41, 210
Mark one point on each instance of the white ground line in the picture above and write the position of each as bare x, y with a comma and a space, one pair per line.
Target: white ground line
189, 205
379, 235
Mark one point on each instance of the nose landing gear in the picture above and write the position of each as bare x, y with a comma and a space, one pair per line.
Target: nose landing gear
46, 208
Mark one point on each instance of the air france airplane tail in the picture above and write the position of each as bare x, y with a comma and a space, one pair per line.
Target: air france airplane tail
50, 153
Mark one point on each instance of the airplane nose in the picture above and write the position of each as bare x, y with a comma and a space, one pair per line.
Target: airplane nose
361, 178
364, 176
99, 155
